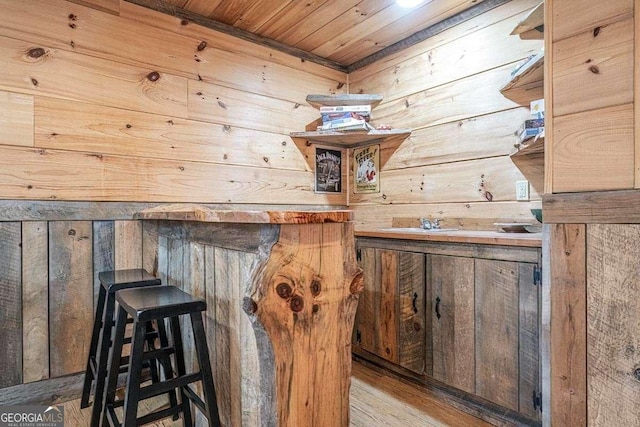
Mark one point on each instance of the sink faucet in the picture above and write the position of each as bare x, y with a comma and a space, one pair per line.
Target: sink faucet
427, 224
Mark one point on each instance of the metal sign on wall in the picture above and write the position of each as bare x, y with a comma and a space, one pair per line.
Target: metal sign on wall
366, 164
328, 171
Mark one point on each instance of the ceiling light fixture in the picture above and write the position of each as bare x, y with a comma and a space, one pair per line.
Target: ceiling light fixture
409, 3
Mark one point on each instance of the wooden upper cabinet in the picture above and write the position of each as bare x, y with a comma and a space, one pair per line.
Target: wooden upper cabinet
390, 321
452, 306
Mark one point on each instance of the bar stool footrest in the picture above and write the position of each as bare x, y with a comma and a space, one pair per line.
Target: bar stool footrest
194, 398
166, 386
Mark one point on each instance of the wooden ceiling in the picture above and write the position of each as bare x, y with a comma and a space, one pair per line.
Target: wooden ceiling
343, 34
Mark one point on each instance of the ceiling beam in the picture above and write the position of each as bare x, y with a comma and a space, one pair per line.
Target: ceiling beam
164, 7
431, 31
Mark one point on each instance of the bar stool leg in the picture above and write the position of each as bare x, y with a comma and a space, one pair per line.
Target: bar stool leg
95, 335
101, 358
177, 344
208, 388
133, 376
151, 345
165, 362
114, 368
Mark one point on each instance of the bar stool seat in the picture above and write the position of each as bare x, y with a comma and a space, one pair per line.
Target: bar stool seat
95, 373
156, 303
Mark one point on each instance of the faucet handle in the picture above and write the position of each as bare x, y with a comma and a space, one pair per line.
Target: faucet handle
436, 223
426, 224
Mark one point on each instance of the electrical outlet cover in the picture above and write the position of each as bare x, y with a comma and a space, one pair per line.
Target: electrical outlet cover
522, 190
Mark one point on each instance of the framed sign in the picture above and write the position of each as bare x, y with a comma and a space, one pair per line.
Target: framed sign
366, 163
328, 170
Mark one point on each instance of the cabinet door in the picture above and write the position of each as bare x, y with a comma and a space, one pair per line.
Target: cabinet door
390, 317
452, 320
411, 311
507, 353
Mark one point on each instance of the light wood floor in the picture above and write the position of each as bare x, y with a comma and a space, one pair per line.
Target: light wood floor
376, 400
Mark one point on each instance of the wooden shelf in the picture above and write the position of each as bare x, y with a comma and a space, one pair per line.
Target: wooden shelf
532, 26
391, 139
534, 147
528, 83
318, 101
353, 139
530, 161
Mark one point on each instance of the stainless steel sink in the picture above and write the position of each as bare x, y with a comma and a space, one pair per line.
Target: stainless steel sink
419, 230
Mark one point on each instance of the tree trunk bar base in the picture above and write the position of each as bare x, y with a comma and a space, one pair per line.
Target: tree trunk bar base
299, 287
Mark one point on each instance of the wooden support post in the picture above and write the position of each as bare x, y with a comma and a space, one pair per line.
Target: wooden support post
305, 298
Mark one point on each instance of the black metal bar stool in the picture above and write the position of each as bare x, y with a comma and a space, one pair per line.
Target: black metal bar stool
96, 369
149, 304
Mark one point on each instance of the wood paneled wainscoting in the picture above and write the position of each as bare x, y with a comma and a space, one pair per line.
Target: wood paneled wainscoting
50, 256
592, 291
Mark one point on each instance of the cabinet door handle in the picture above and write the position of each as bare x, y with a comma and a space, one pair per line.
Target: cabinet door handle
415, 299
438, 307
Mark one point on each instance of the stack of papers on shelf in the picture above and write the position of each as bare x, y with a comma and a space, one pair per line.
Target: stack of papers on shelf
345, 117
357, 125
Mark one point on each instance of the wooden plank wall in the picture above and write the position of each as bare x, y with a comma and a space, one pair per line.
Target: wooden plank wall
108, 101
591, 69
48, 273
456, 164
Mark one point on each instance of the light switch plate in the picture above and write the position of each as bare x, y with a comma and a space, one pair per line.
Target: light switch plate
522, 190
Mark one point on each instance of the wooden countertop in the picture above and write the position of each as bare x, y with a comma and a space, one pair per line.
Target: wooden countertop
192, 212
533, 240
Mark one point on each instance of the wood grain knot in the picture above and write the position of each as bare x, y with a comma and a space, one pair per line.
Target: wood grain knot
315, 308
357, 284
296, 304
488, 196
249, 306
316, 287
72, 232
201, 46
36, 52
153, 76
636, 373
594, 69
284, 290
596, 31
416, 326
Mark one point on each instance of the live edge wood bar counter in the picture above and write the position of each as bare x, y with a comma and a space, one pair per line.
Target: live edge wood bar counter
282, 291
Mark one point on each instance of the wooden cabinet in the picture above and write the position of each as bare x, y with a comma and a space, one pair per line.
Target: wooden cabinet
506, 321
452, 320
390, 321
480, 333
